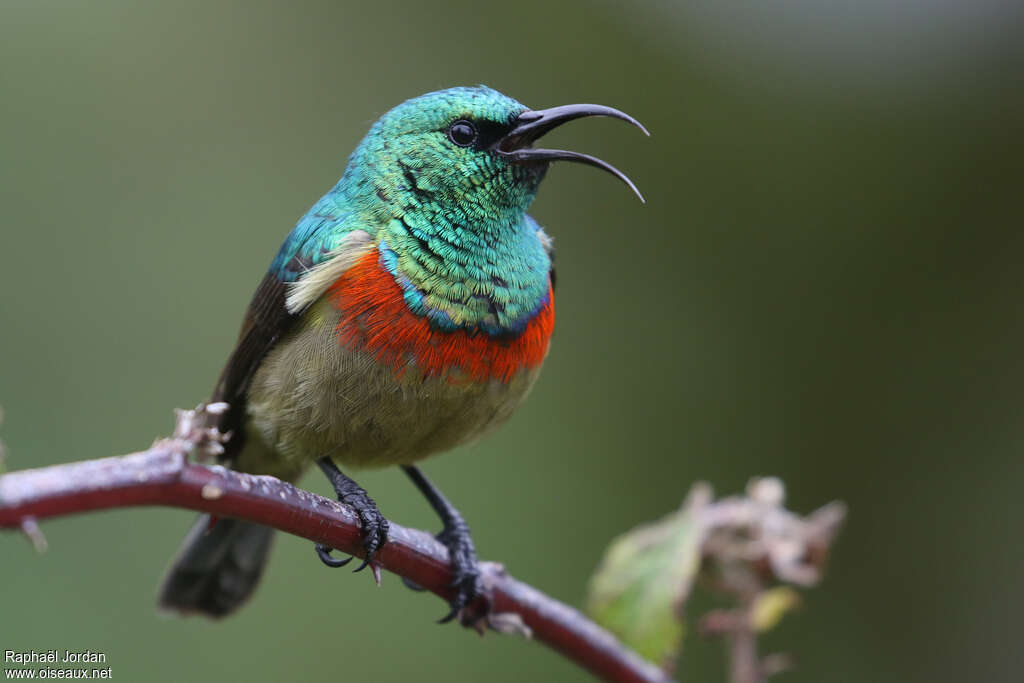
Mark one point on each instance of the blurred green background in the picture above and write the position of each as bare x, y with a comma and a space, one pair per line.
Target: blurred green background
824, 285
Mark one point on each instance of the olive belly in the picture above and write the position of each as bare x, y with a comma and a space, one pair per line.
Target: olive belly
313, 397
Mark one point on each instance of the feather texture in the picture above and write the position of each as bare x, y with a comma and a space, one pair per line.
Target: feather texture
374, 317
407, 312
313, 283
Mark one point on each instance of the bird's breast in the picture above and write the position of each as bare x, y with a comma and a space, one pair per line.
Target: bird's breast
366, 381
374, 317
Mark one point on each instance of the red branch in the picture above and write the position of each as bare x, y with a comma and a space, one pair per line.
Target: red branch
164, 476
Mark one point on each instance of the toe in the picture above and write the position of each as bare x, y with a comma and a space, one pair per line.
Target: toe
324, 552
375, 535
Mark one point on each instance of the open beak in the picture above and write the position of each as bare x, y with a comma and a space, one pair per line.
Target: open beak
531, 125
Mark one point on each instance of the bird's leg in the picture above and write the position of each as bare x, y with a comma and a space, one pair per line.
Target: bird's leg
375, 527
455, 536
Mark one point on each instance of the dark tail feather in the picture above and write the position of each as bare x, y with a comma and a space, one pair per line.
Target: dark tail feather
217, 568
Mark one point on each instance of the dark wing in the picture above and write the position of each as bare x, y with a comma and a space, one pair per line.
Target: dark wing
265, 322
268, 319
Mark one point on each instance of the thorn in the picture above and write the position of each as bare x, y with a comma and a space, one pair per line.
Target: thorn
767, 490
182, 423
31, 529
723, 622
509, 623
776, 664
211, 491
376, 573
218, 408
190, 430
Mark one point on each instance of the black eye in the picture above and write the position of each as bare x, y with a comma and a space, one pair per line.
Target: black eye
462, 133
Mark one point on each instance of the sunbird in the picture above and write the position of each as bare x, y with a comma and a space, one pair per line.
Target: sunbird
409, 311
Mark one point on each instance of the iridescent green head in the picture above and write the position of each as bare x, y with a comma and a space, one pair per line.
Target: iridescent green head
446, 179
463, 152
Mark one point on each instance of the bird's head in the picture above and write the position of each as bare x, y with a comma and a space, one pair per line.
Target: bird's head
464, 151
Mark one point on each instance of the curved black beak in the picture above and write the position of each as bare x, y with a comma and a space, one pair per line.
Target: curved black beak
531, 125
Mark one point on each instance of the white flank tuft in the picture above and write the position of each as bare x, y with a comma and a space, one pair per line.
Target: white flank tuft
315, 281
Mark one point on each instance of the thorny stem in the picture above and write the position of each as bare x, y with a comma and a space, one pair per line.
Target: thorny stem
163, 475
744, 664
735, 628
748, 541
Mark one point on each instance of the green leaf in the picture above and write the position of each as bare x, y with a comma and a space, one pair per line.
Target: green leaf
771, 605
643, 581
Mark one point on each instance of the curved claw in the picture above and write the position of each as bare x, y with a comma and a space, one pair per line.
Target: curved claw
374, 525
451, 615
324, 552
466, 593
375, 529
467, 573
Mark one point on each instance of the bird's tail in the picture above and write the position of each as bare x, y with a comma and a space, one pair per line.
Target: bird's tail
217, 568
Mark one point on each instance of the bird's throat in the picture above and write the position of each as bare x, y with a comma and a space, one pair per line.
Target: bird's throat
493, 281
376, 318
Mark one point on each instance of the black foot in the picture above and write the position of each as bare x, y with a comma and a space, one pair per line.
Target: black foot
455, 536
467, 573
375, 527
